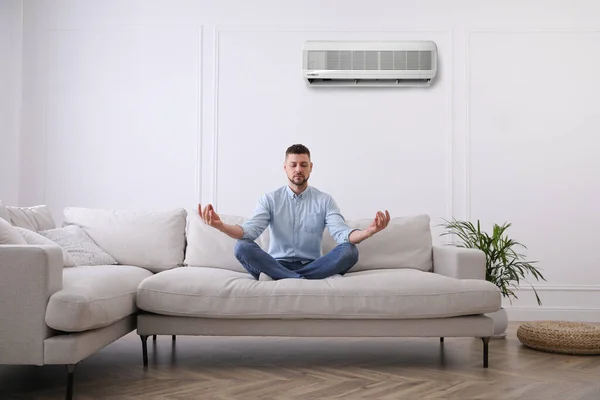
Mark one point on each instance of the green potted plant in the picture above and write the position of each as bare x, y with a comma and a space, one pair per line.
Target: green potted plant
505, 267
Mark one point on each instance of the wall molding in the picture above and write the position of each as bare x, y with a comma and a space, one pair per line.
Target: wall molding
467, 155
199, 115
532, 30
215, 155
199, 97
478, 31
450, 130
449, 76
562, 288
351, 28
518, 314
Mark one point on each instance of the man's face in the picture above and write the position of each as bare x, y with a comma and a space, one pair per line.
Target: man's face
298, 168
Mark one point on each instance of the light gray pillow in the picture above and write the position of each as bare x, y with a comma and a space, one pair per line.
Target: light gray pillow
4, 212
35, 238
34, 218
9, 234
83, 250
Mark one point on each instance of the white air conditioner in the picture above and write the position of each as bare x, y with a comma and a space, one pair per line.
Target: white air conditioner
343, 63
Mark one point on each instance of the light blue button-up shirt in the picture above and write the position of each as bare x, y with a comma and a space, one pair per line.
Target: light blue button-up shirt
296, 223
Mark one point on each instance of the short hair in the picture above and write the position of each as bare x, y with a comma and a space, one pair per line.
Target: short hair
297, 149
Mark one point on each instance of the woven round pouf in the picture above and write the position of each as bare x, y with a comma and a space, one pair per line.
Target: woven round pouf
563, 337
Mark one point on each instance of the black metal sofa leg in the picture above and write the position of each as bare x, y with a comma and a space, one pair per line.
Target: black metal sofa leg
144, 339
70, 379
486, 341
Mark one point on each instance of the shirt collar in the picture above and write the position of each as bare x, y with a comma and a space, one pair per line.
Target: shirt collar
294, 195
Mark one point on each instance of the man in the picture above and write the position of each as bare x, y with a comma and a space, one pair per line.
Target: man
297, 215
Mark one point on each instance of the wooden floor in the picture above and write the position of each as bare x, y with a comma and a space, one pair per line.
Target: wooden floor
290, 369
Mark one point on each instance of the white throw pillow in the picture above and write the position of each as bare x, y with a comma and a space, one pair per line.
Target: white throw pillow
4, 212
32, 237
405, 243
154, 240
35, 218
82, 249
208, 247
9, 234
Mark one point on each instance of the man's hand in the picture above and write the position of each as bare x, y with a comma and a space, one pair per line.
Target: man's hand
379, 223
210, 217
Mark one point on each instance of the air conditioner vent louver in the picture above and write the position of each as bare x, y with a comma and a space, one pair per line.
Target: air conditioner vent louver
336, 60
342, 63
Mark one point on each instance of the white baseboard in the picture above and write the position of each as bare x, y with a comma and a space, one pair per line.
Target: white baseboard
559, 302
553, 313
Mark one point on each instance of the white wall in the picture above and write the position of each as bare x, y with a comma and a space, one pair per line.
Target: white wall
11, 37
177, 102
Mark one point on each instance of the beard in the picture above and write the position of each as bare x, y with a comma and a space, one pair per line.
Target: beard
298, 180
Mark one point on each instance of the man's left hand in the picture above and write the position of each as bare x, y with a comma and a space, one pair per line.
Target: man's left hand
379, 223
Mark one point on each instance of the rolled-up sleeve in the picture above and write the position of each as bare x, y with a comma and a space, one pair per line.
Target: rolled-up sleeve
259, 221
336, 224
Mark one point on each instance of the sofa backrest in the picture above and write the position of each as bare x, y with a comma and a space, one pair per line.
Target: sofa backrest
207, 247
154, 240
405, 243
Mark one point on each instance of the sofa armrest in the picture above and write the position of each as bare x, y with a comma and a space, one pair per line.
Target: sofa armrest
29, 275
459, 262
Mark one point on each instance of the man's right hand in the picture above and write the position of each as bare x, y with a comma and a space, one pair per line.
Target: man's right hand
210, 217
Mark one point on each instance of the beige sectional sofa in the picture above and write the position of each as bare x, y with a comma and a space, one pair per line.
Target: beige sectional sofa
173, 275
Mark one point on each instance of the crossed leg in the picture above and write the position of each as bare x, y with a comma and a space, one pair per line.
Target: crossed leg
337, 261
255, 260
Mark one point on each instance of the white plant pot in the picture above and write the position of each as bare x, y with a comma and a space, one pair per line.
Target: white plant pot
500, 318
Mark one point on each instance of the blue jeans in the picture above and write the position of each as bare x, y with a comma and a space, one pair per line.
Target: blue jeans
255, 260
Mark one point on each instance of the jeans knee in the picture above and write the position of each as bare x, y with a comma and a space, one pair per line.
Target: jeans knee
351, 252
241, 246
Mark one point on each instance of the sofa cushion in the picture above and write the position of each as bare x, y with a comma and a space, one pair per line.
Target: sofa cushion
34, 218
208, 247
94, 296
375, 294
154, 240
405, 243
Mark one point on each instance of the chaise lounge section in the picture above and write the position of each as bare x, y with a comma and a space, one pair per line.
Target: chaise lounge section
53, 312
